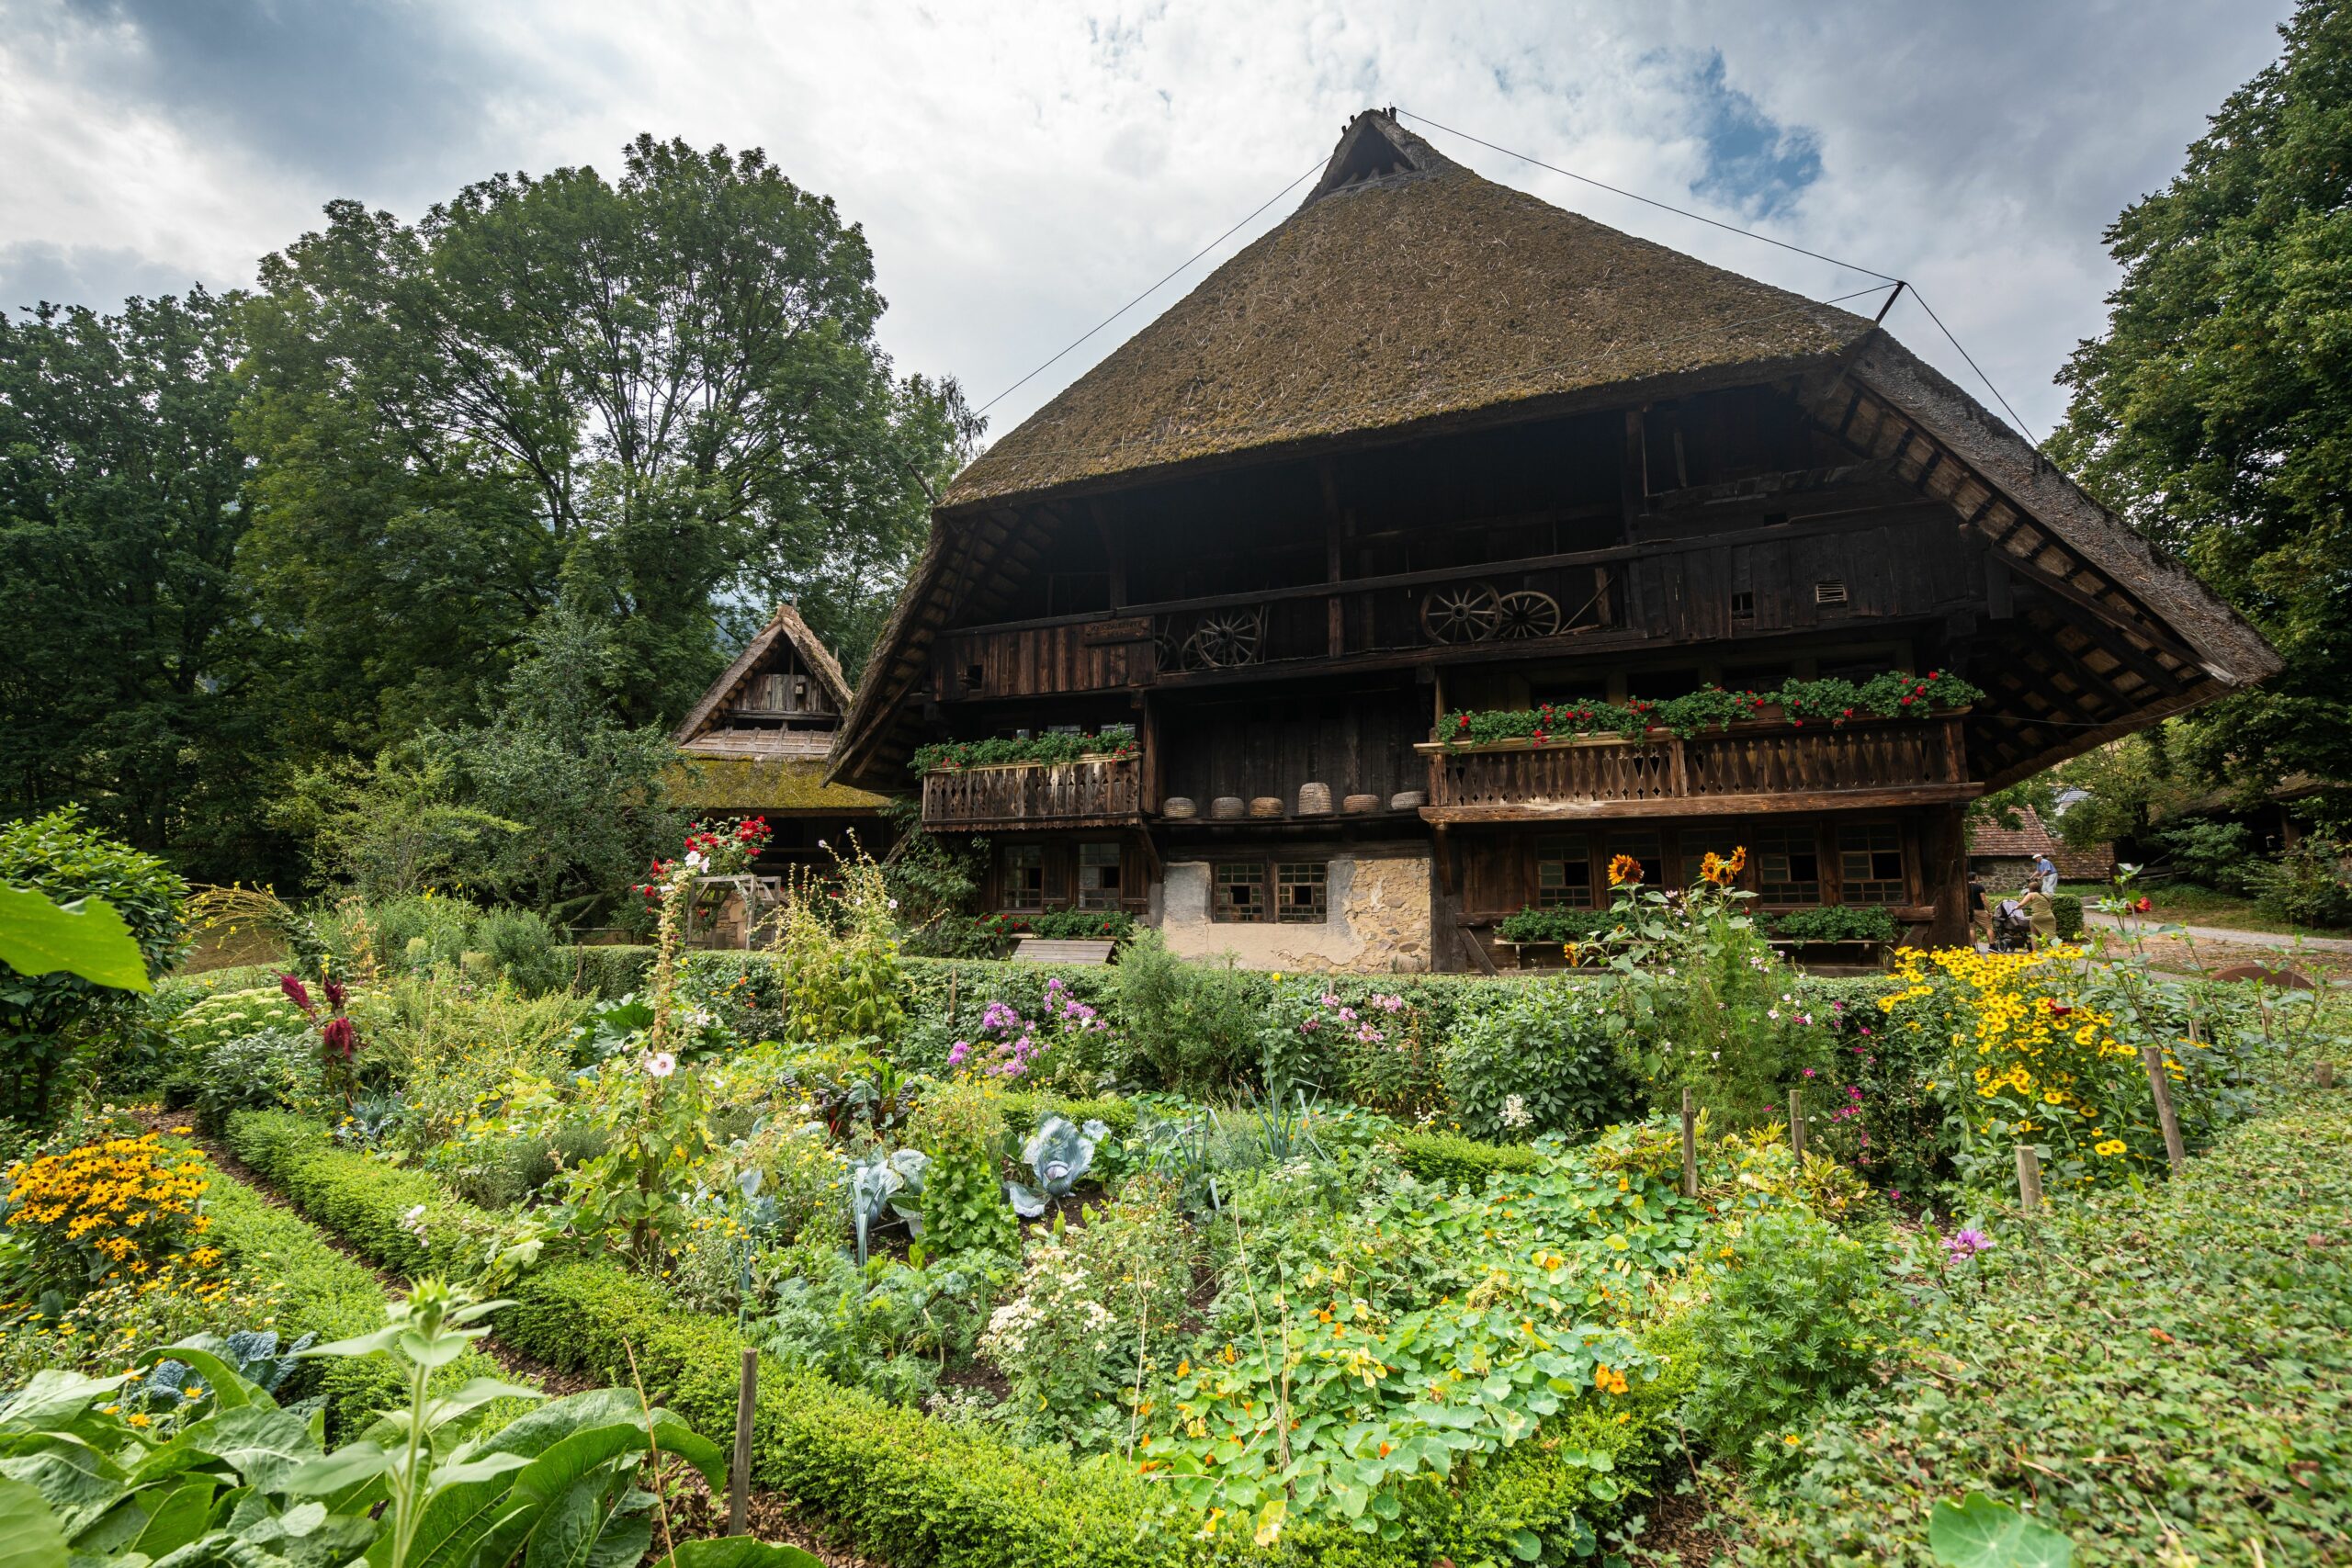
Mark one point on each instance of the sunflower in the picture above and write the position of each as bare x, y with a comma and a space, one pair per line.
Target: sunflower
1624, 869
1723, 870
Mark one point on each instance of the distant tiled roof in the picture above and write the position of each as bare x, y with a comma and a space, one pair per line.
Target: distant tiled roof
2030, 838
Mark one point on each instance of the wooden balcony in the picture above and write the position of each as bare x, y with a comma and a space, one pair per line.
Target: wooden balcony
1751, 768
1094, 791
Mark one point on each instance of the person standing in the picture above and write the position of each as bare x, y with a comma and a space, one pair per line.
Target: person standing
1980, 917
2045, 874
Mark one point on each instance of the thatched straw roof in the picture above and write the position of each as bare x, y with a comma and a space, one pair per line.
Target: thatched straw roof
787, 624
1404, 289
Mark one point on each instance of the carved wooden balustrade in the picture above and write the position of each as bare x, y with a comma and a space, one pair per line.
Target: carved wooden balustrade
1750, 768
1094, 791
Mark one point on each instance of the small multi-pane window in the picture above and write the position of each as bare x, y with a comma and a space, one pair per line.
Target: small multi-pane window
1098, 876
1240, 892
1644, 847
1869, 863
1563, 872
1299, 893
1024, 877
1788, 864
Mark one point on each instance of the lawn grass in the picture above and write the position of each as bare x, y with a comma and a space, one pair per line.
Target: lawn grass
2185, 903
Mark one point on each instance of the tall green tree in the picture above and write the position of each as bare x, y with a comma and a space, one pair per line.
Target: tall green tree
2216, 412
658, 402
130, 680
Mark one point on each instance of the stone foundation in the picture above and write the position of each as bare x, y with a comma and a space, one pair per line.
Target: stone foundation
1378, 921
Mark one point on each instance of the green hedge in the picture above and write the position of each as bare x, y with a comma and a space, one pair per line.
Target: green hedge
2068, 908
325, 1293
1464, 1162
606, 971
364, 1201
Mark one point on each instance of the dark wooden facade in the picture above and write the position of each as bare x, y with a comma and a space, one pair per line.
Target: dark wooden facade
1271, 614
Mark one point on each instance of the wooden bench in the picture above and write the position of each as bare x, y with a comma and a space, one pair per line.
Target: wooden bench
1054, 950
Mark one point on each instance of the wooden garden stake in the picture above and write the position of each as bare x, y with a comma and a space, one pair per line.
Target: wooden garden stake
2029, 1177
739, 1491
2325, 1073
1690, 1146
1797, 1124
2176, 1154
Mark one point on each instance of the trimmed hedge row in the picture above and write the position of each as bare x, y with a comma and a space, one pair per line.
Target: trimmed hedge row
1464, 1162
326, 1293
401, 1220
901, 1486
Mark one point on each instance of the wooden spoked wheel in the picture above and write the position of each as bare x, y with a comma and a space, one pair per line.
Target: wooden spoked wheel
1224, 638
1462, 612
1527, 613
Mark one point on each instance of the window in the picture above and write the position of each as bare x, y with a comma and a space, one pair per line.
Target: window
1788, 864
1830, 590
1098, 876
1742, 605
1240, 892
1024, 877
1643, 846
1563, 872
1869, 863
1299, 888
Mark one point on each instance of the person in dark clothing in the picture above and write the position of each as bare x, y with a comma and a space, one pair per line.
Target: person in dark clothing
1980, 919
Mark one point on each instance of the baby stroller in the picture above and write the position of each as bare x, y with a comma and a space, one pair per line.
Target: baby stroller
2012, 926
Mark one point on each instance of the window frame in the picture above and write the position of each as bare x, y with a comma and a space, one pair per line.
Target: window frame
1268, 873
1010, 860
1581, 843
1849, 886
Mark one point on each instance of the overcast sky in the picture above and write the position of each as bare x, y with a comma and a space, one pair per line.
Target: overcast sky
1023, 167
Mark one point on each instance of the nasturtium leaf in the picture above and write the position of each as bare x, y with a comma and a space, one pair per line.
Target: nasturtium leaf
1978, 1532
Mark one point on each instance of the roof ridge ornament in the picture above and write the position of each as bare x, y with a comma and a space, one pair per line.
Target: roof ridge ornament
1374, 151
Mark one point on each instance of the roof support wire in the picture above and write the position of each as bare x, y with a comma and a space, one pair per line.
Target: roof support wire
1900, 285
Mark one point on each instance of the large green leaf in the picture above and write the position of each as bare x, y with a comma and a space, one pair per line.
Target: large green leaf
1977, 1532
347, 1466
467, 1501
51, 1396
78, 1484
177, 1519
535, 1431
263, 1444
738, 1552
566, 1532
87, 939
29, 1534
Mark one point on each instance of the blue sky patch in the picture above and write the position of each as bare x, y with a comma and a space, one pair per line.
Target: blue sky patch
1753, 162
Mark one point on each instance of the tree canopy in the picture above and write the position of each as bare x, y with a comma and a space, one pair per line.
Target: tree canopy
2216, 412
658, 402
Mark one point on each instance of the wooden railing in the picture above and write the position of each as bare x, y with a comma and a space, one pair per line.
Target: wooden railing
1092, 793
1751, 768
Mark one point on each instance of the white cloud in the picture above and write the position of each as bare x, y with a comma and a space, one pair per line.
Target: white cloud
1023, 167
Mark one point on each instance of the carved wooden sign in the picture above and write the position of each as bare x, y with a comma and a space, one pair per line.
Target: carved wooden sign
1124, 628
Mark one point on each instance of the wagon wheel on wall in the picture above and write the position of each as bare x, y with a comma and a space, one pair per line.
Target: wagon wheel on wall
1527, 613
1224, 638
1465, 612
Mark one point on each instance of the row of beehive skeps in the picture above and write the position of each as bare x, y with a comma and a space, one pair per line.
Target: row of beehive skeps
1314, 800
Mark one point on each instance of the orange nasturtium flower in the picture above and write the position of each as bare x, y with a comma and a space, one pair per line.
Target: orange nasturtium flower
1624, 869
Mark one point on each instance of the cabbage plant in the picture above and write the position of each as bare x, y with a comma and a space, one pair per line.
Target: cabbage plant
1058, 1154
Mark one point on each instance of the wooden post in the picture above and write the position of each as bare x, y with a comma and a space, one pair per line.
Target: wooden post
1797, 1124
2153, 1057
2325, 1072
1690, 1146
739, 1491
2029, 1178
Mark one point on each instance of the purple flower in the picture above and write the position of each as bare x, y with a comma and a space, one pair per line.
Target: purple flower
960, 1053
297, 993
1808, 1072
1966, 1244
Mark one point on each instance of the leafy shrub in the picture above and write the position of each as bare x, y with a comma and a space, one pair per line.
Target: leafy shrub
1061, 925
960, 1128
1835, 923
2067, 909
1795, 1319
1545, 1061
839, 952
610, 970
1090, 1300
1464, 1162
1192, 1027
2140, 1344
2212, 854
275, 1070
2311, 884
522, 948
887, 1326
50, 1022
